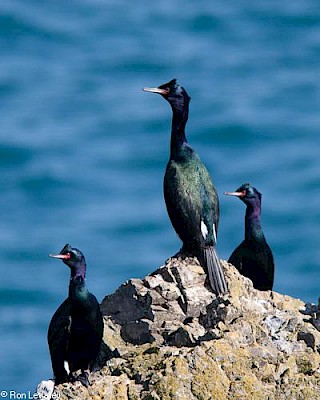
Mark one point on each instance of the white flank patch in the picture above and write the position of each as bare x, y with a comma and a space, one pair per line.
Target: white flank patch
45, 390
204, 229
214, 233
66, 366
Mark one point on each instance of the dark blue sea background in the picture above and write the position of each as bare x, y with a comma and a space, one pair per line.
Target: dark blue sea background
83, 149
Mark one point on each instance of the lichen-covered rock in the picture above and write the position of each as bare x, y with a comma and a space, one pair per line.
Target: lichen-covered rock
168, 336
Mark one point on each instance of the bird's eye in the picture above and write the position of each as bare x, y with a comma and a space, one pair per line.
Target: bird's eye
249, 192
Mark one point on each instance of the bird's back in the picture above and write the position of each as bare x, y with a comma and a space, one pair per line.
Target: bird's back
255, 261
74, 335
58, 339
190, 197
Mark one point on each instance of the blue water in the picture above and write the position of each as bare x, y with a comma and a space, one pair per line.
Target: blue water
83, 149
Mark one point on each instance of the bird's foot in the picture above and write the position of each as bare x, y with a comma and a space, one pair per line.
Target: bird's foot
84, 378
184, 253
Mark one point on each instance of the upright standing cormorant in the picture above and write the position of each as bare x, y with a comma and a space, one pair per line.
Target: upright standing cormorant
191, 198
253, 257
76, 328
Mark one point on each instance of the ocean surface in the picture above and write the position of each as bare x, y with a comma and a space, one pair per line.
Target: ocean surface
83, 149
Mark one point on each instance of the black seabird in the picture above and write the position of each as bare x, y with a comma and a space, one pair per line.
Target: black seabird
253, 257
76, 328
191, 198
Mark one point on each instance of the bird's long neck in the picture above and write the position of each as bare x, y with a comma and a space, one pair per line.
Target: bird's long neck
253, 228
77, 288
178, 135
79, 269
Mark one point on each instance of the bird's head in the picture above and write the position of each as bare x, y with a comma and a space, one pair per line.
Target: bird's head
175, 94
248, 194
71, 257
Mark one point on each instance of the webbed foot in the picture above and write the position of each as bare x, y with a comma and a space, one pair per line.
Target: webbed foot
84, 378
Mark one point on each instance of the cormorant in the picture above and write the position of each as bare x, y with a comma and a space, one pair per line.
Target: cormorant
190, 196
253, 257
76, 328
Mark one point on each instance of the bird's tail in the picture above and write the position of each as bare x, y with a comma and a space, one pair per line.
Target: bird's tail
214, 270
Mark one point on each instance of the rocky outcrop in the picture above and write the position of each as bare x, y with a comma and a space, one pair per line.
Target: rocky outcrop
167, 336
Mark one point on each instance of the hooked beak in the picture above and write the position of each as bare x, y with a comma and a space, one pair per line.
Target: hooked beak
164, 92
238, 194
61, 256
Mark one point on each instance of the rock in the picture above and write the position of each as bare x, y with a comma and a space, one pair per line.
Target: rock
45, 390
314, 311
167, 336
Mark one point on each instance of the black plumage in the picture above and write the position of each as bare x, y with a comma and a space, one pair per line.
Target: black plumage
253, 257
76, 328
190, 196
